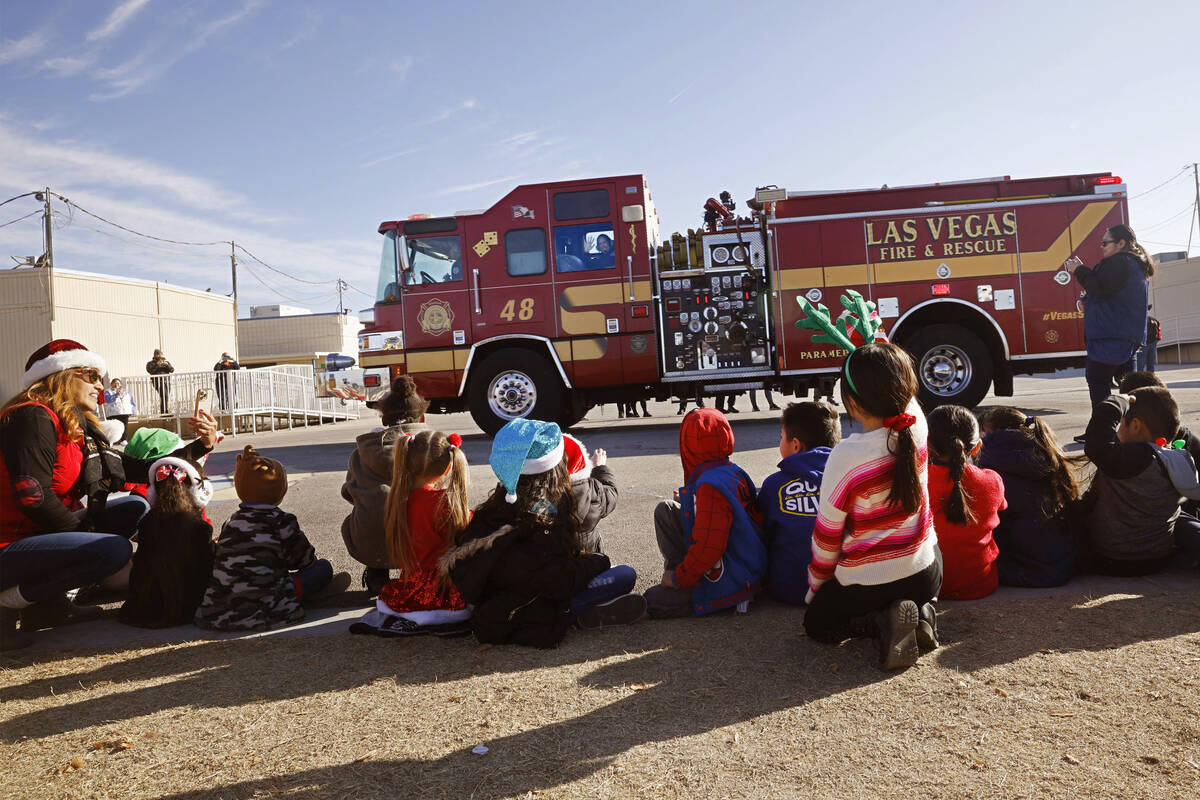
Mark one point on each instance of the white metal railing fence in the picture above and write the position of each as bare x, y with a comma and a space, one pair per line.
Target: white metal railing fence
246, 398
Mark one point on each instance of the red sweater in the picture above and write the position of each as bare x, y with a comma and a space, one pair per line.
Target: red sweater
969, 553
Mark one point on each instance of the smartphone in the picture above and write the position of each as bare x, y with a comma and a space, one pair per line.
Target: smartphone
203, 402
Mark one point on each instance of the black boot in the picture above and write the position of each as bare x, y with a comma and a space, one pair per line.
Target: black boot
927, 628
10, 637
896, 634
56, 611
373, 579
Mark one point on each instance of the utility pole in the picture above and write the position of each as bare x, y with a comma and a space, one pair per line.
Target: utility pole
233, 269
341, 287
47, 259
1195, 208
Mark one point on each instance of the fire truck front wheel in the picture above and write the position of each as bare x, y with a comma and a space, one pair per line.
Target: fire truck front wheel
511, 384
953, 366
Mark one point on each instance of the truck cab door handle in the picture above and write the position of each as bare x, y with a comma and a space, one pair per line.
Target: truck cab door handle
629, 261
478, 308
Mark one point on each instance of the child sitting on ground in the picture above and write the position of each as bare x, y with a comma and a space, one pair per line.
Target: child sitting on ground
966, 502
789, 498
174, 557
710, 537
875, 568
594, 488
519, 562
1036, 549
367, 480
1127, 516
264, 565
426, 509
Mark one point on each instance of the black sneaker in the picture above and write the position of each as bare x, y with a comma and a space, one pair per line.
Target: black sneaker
374, 578
896, 634
1081, 438
10, 637
55, 612
927, 628
626, 609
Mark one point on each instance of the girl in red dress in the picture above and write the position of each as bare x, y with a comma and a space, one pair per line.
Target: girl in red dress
426, 508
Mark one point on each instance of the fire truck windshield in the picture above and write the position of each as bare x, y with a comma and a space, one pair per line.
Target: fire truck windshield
388, 290
434, 259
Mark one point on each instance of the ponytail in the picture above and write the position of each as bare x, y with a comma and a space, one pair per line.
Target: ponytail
953, 432
399, 541
883, 385
906, 481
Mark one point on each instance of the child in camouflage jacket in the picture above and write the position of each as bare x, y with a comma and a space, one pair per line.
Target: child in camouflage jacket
264, 564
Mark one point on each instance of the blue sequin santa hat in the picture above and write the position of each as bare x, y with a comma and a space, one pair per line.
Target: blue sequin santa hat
525, 447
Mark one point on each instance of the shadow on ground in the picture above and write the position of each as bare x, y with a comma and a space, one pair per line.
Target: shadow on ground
684, 678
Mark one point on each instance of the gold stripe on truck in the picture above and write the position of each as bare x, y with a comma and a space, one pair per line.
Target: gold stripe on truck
395, 357
574, 323
438, 360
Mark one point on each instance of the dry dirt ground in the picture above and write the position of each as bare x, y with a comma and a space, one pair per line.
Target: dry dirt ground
1087, 691
1058, 695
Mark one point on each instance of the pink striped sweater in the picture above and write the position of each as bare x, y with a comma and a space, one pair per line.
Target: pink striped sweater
858, 537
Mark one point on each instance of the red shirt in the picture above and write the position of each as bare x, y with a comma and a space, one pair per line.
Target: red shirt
969, 552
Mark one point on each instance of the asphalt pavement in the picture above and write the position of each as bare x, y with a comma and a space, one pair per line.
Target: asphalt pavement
643, 453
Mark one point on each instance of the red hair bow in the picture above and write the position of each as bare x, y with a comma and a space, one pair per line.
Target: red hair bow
900, 421
167, 471
455, 440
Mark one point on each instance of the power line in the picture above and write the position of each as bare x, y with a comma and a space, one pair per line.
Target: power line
1190, 207
71, 203
1177, 175
281, 272
272, 289
18, 219
18, 197
360, 291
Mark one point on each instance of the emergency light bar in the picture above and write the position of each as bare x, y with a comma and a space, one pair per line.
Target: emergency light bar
1108, 180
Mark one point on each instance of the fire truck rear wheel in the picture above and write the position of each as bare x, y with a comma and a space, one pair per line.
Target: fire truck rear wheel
953, 366
510, 384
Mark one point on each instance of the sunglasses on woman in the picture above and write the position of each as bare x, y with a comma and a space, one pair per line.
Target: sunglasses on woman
90, 374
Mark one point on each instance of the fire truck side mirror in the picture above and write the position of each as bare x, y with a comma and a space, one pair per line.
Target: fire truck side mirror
402, 254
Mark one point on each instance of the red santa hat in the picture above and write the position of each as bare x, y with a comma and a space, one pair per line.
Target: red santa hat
56, 356
579, 463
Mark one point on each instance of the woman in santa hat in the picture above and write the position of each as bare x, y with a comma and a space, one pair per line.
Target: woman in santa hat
58, 531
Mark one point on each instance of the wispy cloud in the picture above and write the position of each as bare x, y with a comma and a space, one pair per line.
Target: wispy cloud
447, 113
309, 27
401, 67
470, 187
117, 19
25, 47
156, 59
392, 157
681, 92
67, 66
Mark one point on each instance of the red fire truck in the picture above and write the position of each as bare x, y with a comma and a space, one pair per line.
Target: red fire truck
562, 295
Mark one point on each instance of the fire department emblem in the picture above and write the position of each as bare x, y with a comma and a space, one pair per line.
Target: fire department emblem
1051, 336
435, 317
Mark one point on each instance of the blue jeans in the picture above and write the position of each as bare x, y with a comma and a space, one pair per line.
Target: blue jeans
313, 578
1146, 359
51, 563
608, 585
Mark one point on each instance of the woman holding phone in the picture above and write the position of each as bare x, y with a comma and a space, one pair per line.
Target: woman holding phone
1114, 311
58, 530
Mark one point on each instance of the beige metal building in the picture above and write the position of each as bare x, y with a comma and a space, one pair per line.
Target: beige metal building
1175, 296
123, 319
296, 338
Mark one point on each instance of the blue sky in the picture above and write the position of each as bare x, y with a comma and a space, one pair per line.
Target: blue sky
295, 127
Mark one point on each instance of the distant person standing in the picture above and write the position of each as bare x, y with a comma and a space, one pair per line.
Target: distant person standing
1115, 308
226, 363
119, 405
1147, 358
160, 368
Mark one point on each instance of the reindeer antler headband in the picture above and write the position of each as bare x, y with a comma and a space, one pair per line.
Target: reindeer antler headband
860, 319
